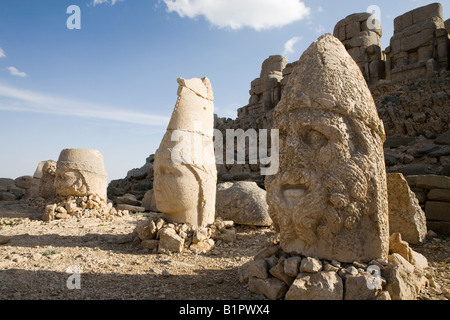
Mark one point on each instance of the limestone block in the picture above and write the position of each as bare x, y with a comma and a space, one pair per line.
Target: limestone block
258, 269
438, 210
404, 282
292, 266
326, 285
278, 272
273, 63
133, 209
149, 202
81, 172
447, 25
432, 182
23, 182
185, 173
427, 12
310, 265
414, 41
33, 191
243, 202
439, 195
365, 39
128, 199
405, 214
443, 139
329, 198
357, 288
272, 288
170, 241
7, 196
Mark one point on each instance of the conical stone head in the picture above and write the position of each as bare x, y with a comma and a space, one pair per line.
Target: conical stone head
185, 174
329, 198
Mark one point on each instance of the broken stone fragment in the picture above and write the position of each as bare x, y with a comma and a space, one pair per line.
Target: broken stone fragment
272, 288
49, 213
170, 241
405, 214
316, 286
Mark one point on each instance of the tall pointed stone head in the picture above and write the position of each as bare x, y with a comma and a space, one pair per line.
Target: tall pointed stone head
185, 174
329, 198
81, 172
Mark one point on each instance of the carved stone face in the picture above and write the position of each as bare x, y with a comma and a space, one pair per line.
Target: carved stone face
70, 183
81, 172
175, 191
322, 190
185, 174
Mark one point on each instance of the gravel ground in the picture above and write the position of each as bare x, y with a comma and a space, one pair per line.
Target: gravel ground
39, 259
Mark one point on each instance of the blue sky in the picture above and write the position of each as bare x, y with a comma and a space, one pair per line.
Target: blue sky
112, 86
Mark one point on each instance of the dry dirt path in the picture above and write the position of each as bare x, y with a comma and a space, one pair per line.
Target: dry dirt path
39, 258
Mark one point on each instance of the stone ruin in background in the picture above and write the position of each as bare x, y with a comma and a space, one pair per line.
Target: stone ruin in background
420, 44
361, 35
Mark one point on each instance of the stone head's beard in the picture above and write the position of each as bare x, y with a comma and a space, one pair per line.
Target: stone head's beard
326, 202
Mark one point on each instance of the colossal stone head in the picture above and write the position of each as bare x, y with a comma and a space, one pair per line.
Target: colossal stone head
185, 174
329, 198
81, 172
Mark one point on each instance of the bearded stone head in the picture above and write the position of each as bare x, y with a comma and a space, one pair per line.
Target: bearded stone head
329, 197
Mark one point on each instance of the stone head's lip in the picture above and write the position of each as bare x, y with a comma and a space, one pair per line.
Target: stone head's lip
294, 192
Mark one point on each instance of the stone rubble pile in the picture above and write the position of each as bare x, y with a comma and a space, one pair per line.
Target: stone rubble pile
158, 235
279, 275
81, 207
414, 108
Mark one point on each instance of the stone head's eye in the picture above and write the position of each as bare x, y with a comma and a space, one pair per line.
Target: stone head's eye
315, 139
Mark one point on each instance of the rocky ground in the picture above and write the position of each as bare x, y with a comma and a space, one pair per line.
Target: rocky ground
37, 259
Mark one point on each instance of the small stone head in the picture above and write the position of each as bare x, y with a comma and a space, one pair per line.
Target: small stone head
81, 172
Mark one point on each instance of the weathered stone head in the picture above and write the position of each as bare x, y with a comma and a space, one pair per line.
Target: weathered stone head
81, 172
329, 198
185, 174
46, 186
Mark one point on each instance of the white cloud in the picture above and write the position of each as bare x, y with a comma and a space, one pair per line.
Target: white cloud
320, 29
289, 45
2, 53
110, 2
13, 99
237, 14
15, 72
320, 9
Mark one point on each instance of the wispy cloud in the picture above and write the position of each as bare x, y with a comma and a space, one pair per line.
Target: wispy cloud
289, 45
110, 2
15, 72
13, 99
237, 14
2, 53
